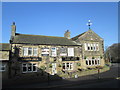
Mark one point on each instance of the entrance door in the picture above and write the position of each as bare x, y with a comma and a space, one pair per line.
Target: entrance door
54, 70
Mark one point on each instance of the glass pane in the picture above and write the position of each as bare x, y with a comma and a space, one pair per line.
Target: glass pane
63, 65
29, 51
34, 67
35, 51
30, 67
25, 52
24, 69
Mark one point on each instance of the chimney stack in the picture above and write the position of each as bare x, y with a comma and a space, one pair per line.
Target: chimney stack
67, 34
13, 30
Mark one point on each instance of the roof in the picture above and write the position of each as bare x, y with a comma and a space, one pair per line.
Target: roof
40, 39
4, 46
76, 37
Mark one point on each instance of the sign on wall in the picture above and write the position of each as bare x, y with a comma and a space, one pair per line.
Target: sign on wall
53, 52
63, 51
45, 51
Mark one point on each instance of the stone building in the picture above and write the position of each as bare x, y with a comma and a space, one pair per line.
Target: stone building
92, 48
4, 60
54, 55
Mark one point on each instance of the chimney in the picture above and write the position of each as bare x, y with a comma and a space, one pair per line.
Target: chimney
67, 34
13, 30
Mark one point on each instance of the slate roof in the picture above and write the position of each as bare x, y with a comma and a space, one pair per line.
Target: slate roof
4, 46
76, 37
42, 40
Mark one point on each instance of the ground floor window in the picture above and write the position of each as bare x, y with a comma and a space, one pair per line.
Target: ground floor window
92, 62
67, 66
29, 67
2, 67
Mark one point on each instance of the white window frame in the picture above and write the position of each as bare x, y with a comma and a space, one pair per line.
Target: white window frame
31, 49
94, 45
85, 45
32, 64
97, 46
25, 52
89, 47
70, 51
70, 66
35, 50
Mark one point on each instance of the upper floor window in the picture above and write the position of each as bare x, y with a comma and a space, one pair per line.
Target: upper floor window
29, 51
70, 51
91, 47
25, 51
35, 51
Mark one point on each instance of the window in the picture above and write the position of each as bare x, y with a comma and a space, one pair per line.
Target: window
30, 51
63, 65
34, 67
25, 51
35, 51
96, 62
91, 46
92, 62
68, 66
29, 67
88, 46
86, 62
94, 47
2, 67
89, 62
71, 66
97, 47
85, 45
70, 51
24, 67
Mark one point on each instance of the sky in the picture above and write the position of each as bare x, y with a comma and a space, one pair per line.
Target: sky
54, 18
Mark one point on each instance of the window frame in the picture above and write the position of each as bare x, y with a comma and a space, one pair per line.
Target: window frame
27, 71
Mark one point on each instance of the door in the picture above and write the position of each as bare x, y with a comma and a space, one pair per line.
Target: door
54, 70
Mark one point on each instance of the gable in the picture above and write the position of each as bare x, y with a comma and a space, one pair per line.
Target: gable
88, 36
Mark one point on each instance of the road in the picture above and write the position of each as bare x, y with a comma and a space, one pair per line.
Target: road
107, 80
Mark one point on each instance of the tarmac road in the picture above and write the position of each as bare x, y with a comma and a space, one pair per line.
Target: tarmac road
107, 80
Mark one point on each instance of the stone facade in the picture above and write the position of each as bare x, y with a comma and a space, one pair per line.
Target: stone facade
92, 48
4, 60
37, 54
